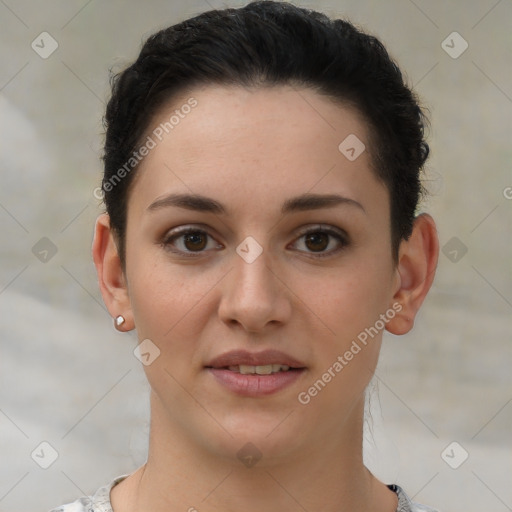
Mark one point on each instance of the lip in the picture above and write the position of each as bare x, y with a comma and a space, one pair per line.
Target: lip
238, 357
254, 385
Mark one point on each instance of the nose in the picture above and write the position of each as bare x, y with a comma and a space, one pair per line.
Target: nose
254, 295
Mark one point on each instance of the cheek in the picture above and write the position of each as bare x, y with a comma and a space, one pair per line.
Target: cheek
171, 305
349, 300
346, 357
349, 303
166, 309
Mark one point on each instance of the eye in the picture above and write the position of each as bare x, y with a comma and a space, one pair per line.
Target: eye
189, 241
318, 239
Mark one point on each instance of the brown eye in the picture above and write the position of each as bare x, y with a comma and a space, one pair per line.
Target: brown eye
188, 242
317, 241
195, 240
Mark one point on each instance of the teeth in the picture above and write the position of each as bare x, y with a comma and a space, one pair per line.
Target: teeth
267, 369
263, 370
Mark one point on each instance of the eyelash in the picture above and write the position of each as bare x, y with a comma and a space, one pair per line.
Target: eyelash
340, 236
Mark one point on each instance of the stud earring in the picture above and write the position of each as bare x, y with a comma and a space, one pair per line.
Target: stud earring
119, 320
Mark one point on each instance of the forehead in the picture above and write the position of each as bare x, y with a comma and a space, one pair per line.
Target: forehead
255, 144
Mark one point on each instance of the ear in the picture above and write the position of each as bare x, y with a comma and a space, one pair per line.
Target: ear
417, 262
111, 277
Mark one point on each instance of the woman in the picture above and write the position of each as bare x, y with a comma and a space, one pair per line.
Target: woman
262, 174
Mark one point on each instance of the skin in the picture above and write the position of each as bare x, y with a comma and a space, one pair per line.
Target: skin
196, 308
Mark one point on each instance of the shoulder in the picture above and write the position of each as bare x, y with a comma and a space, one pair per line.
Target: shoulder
99, 502
405, 504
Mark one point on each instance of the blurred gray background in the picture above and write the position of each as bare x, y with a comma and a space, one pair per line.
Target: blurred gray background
68, 379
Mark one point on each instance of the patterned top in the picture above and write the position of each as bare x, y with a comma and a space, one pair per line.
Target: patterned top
100, 502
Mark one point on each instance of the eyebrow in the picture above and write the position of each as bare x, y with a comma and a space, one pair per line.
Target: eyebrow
300, 203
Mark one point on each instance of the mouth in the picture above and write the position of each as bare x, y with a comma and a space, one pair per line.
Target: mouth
267, 369
255, 374
266, 361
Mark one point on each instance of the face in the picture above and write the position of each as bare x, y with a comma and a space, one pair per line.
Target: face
287, 262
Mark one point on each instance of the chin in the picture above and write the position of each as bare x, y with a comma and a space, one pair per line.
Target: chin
259, 434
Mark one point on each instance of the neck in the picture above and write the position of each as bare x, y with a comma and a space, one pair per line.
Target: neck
180, 475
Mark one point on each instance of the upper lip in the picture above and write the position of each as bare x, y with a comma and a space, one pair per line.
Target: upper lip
238, 357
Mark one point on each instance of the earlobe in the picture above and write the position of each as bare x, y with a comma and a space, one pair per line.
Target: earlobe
416, 268
111, 278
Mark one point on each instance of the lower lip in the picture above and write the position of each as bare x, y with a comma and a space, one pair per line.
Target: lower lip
255, 385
